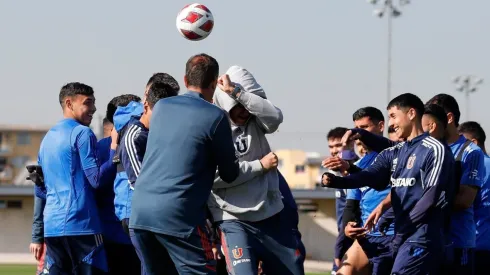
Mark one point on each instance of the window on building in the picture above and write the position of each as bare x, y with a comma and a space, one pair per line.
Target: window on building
23, 138
17, 204
300, 169
20, 161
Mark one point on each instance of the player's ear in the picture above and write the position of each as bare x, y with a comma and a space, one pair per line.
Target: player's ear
69, 103
185, 81
450, 118
412, 113
381, 126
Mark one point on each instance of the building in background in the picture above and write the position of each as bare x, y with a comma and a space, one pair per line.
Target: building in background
301, 169
19, 145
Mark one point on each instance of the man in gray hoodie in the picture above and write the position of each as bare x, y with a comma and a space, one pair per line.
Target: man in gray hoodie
246, 210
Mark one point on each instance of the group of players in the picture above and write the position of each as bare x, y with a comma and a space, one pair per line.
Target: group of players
199, 192
180, 184
416, 203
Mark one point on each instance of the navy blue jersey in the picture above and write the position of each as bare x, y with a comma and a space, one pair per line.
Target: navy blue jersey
290, 208
189, 140
420, 169
112, 230
463, 228
68, 158
340, 201
369, 198
482, 211
133, 147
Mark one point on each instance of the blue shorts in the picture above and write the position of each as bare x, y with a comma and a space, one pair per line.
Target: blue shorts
300, 261
164, 254
459, 261
247, 243
415, 258
83, 255
378, 250
482, 262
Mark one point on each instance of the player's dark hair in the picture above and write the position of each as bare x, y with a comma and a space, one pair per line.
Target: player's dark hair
408, 101
436, 112
122, 100
449, 104
73, 89
474, 129
201, 70
374, 114
158, 91
391, 130
164, 78
337, 132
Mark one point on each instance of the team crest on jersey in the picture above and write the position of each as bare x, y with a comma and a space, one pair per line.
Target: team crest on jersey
237, 253
411, 161
242, 144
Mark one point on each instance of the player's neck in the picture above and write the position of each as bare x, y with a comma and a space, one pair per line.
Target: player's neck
68, 114
452, 134
417, 130
145, 120
207, 94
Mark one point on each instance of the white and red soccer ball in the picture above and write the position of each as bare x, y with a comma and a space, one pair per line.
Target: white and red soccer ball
195, 22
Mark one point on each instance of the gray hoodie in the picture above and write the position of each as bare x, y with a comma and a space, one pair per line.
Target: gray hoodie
254, 195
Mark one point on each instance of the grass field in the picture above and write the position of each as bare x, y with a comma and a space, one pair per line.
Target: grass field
31, 270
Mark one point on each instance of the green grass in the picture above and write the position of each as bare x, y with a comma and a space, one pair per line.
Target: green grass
31, 270
17, 269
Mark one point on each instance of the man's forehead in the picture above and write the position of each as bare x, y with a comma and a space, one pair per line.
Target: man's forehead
334, 141
83, 97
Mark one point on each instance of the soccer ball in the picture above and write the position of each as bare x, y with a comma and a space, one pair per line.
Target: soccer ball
195, 22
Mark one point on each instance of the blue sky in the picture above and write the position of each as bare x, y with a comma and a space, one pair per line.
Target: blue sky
318, 61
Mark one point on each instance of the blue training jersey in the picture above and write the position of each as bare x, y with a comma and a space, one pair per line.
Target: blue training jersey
190, 138
67, 154
369, 197
482, 211
463, 228
112, 229
122, 189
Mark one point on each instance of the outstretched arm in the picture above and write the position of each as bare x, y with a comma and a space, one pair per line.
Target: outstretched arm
375, 142
376, 175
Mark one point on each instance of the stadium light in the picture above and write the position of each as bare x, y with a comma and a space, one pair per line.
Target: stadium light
392, 11
467, 84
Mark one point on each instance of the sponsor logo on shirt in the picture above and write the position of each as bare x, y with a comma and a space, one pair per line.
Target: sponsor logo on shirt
393, 166
474, 175
403, 182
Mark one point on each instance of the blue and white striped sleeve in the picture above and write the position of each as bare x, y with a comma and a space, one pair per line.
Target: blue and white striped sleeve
135, 144
438, 168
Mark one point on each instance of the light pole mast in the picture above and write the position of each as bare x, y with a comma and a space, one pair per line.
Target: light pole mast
391, 11
467, 84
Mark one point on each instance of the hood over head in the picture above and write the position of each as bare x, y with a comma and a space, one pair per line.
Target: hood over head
242, 78
124, 114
